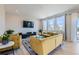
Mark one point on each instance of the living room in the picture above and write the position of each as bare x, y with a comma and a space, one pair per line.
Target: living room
42, 21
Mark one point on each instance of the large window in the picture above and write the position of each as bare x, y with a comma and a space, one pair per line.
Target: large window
44, 25
77, 29
60, 21
51, 25
54, 24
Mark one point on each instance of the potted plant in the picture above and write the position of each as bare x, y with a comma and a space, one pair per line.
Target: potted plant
9, 31
0, 39
5, 39
40, 31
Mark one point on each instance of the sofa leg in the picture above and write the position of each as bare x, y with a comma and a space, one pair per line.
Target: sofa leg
60, 45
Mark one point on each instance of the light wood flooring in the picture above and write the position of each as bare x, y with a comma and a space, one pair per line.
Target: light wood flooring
21, 51
67, 48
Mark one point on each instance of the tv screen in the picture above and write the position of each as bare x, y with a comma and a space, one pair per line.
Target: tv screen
28, 24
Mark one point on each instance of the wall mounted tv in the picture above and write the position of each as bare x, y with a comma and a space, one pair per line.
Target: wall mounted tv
28, 24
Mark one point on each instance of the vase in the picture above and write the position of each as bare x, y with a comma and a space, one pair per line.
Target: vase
5, 42
0, 41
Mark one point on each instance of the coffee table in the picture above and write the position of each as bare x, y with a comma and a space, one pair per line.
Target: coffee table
9, 44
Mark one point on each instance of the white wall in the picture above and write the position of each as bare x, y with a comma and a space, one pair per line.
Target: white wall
2, 19
15, 22
12, 22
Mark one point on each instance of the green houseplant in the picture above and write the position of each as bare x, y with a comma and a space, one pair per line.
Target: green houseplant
40, 31
9, 31
5, 38
0, 39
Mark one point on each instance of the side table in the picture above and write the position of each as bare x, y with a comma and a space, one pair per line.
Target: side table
9, 44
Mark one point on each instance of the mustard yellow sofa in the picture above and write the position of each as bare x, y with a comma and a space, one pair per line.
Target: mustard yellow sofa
45, 45
17, 41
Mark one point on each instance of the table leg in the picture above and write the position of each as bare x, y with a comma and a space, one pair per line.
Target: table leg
13, 50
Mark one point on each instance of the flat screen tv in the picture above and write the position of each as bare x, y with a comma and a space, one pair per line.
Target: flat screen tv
28, 24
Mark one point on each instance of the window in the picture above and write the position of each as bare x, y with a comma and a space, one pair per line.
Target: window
78, 25
60, 21
51, 25
77, 29
44, 25
54, 24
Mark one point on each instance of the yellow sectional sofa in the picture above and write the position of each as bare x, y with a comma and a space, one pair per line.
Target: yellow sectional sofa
45, 45
17, 40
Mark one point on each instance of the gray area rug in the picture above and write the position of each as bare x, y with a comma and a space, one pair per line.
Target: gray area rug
29, 49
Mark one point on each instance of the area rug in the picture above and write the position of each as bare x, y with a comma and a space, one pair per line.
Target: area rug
28, 48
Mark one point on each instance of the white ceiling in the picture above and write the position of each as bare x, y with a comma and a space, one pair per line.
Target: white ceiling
37, 11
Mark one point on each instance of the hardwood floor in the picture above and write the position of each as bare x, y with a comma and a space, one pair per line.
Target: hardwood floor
21, 51
67, 48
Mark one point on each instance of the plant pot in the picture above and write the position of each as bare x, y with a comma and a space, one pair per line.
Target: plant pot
0, 41
5, 42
